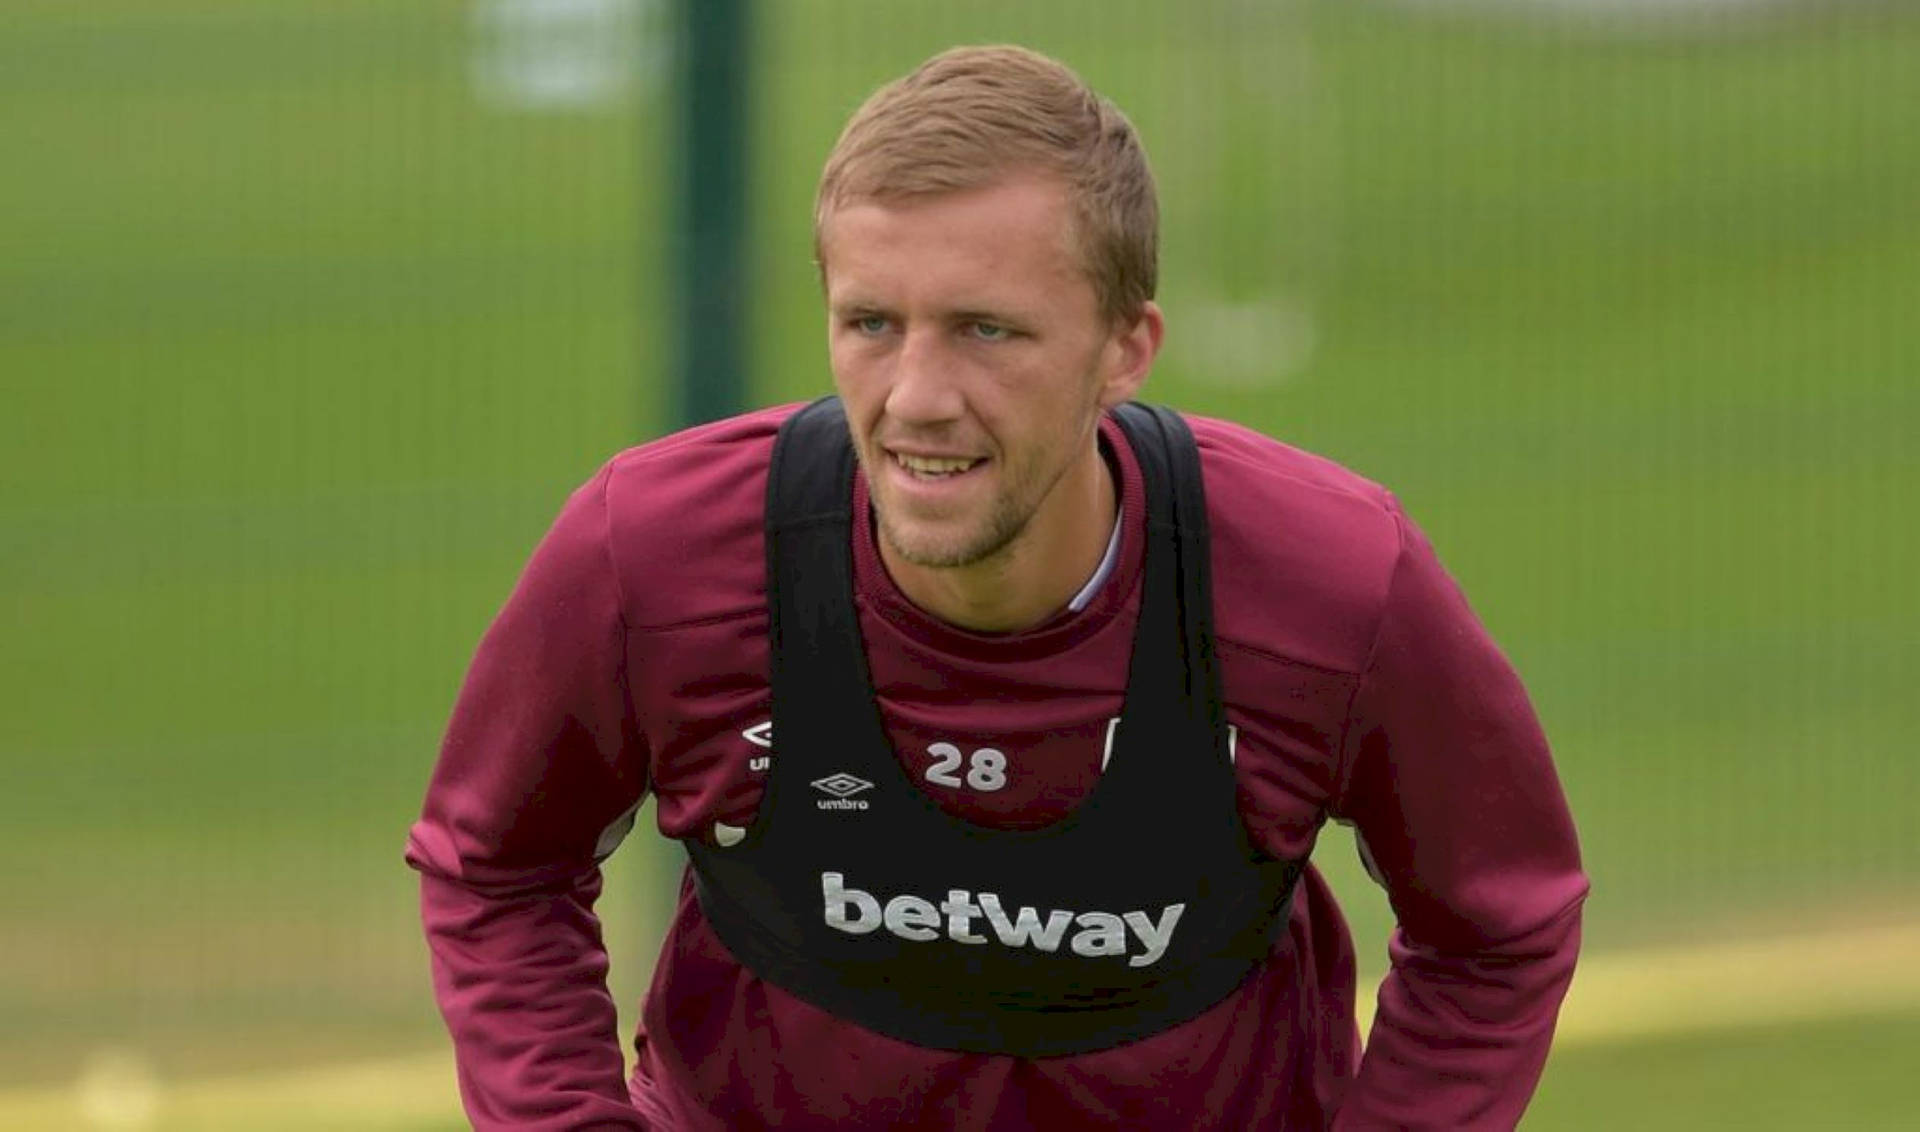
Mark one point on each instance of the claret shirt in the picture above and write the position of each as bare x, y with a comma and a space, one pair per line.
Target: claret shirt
632, 657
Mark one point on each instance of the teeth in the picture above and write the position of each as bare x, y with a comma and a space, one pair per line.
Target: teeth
930, 466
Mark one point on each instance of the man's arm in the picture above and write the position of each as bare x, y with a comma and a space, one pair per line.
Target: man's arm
1453, 792
536, 782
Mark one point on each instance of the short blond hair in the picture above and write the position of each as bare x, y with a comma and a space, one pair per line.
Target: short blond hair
973, 116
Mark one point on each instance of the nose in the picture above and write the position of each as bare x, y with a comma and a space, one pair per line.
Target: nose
925, 389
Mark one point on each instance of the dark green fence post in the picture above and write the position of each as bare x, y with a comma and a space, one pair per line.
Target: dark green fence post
710, 216
708, 276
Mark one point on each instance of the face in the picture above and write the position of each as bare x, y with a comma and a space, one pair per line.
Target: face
968, 346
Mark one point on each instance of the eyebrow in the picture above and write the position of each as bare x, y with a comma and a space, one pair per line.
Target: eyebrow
997, 317
857, 306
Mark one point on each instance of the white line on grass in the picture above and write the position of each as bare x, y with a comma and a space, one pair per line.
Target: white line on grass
1629, 994
1616, 996
1678, 989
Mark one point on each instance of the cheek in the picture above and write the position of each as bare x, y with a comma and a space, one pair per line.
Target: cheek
839, 358
862, 394
1041, 414
852, 379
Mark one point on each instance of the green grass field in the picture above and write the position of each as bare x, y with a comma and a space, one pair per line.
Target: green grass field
305, 333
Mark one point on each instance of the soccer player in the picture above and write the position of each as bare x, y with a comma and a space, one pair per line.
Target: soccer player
998, 715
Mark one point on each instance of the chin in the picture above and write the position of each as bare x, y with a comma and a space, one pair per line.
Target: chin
934, 553
934, 549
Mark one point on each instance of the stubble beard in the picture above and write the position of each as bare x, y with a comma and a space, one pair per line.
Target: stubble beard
1012, 510
1004, 524
1020, 499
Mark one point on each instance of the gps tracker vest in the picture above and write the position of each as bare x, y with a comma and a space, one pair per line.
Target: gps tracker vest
853, 891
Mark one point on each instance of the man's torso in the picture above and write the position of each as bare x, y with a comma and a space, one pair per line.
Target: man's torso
1007, 732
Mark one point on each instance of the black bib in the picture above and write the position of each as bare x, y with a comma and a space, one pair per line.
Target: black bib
852, 891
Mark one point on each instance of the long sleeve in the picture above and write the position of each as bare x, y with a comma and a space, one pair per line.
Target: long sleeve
536, 782
1453, 792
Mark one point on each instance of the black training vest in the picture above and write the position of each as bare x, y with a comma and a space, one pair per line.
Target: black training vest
878, 913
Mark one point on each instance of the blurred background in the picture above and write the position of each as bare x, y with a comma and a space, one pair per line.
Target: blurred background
313, 312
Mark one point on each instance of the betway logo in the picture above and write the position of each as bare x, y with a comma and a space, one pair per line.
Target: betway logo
1094, 934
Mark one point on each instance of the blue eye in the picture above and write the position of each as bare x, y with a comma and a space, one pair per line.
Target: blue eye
989, 332
870, 324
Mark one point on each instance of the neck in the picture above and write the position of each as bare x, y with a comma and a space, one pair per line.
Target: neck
1033, 577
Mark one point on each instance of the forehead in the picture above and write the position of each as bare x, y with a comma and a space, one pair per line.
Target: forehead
1012, 238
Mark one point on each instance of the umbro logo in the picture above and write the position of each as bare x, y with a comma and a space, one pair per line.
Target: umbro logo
760, 735
842, 785
840, 790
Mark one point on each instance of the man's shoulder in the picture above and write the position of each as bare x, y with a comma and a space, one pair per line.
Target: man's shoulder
684, 519
1304, 548
691, 452
1247, 459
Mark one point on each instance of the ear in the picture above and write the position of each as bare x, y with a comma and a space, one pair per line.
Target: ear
1129, 355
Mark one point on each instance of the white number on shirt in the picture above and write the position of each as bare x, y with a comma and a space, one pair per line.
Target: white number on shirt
986, 770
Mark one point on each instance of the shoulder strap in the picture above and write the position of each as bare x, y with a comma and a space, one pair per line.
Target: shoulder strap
1177, 511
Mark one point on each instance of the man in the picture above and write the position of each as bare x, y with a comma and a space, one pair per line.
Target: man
998, 716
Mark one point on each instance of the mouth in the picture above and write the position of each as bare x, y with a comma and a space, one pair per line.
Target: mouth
933, 468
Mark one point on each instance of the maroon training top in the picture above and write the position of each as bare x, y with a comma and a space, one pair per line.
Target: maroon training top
632, 656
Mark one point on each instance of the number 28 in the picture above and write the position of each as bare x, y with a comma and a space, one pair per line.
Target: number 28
986, 770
